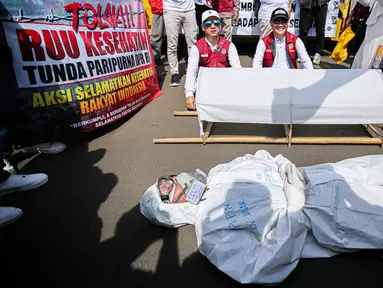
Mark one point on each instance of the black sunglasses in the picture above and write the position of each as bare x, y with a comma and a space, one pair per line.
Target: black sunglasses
280, 21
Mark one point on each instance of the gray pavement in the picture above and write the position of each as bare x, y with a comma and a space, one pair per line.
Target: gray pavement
84, 228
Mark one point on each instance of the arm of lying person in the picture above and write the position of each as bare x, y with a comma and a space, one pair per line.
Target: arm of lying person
303, 55
259, 53
233, 57
191, 77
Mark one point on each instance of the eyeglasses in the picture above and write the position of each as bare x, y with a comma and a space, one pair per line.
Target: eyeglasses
280, 21
209, 23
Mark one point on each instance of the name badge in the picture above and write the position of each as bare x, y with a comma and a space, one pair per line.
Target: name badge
204, 55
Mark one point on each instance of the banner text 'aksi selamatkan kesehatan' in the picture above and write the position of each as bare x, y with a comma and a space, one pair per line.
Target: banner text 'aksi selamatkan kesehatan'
78, 65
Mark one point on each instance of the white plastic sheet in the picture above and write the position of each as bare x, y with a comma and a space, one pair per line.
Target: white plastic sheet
168, 215
247, 227
345, 203
260, 215
290, 96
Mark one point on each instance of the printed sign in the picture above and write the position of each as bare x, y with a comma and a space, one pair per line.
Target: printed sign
77, 65
247, 23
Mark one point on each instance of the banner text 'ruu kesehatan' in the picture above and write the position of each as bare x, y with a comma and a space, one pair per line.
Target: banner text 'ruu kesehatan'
67, 56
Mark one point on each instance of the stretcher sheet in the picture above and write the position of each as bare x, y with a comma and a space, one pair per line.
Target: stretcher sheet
287, 96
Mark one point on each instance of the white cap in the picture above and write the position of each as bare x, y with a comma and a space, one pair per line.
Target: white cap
208, 14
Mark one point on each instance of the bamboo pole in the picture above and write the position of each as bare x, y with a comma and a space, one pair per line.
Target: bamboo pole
335, 140
289, 133
207, 132
262, 139
374, 132
185, 113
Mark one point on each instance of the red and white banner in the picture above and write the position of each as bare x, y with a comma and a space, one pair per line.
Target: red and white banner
92, 59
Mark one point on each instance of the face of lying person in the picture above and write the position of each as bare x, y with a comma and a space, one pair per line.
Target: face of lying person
279, 26
212, 26
165, 187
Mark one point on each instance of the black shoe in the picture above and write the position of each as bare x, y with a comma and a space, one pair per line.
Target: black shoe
175, 81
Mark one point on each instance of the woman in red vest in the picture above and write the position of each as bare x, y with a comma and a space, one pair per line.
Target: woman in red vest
281, 49
211, 51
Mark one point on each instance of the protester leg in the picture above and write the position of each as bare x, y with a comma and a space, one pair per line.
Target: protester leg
190, 28
4, 143
305, 23
4, 175
13, 183
8, 215
172, 21
199, 9
265, 27
320, 14
227, 27
156, 36
359, 28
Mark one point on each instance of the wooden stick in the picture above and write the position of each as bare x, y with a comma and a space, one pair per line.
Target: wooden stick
289, 133
207, 132
371, 131
335, 140
262, 139
375, 132
185, 113
286, 127
249, 139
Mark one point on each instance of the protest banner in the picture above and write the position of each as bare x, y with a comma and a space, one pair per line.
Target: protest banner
248, 23
79, 65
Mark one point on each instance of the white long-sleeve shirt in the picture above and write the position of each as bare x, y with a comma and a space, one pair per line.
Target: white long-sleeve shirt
193, 66
179, 5
268, 6
281, 60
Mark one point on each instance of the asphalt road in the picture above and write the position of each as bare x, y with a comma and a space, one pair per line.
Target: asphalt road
84, 228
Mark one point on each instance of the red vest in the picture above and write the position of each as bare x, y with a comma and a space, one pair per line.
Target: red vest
217, 59
268, 58
223, 5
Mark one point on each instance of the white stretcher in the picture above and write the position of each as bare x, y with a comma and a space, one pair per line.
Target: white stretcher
288, 97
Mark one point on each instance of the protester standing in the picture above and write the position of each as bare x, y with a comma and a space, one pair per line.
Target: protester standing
177, 14
357, 20
228, 10
200, 7
370, 53
314, 10
10, 182
157, 29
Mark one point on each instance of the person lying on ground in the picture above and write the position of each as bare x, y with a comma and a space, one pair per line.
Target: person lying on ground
281, 49
211, 51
